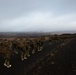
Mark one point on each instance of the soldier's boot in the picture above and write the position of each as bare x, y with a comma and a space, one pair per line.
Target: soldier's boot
33, 51
41, 48
38, 48
25, 56
28, 54
15, 52
7, 63
22, 56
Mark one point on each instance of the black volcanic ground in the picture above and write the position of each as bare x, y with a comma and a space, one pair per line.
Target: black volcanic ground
56, 59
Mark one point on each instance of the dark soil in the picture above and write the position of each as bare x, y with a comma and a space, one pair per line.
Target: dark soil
55, 59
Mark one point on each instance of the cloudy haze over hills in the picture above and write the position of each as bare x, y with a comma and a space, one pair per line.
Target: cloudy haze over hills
37, 15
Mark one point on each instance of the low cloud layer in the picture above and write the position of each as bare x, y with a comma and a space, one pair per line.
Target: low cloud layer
38, 16
40, 21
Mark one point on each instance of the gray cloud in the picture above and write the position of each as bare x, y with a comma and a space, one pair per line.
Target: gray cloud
37, 15
39, 21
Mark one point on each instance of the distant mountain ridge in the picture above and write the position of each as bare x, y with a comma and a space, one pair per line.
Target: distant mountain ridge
64, 32
25, 34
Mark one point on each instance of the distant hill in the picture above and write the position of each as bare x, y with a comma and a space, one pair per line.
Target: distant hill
27, 34
22, 34
64, 32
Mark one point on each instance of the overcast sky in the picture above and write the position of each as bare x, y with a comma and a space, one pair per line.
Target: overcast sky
37, 15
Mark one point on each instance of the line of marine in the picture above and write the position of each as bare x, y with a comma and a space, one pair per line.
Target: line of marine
25, 46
